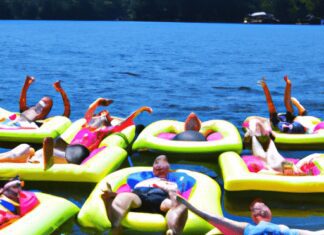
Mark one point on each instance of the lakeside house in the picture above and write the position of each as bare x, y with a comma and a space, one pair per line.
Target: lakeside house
260, 18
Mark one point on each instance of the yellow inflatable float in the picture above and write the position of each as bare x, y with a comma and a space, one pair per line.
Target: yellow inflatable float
221, 136
237, 177
50, 127
107, 158
308, 141
93, 213
45, 218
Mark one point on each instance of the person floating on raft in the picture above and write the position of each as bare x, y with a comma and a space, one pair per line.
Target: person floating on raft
287, 122
30, 115
273, 162
261, 216
15, 203
191, 132
151, 192
95, 129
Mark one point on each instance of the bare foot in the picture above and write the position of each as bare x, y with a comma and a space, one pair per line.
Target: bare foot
262, 82
287, 80
57, 86
107, 193
169, 232
48, 147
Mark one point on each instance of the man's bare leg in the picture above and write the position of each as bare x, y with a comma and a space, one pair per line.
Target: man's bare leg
287, 97
301, 110
257, 149
48, 148
271, 106
117, 205
176, 219
19, 154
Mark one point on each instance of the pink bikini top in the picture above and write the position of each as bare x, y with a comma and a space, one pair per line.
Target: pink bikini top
91, 139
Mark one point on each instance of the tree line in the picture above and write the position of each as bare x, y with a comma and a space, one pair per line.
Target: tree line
288, 11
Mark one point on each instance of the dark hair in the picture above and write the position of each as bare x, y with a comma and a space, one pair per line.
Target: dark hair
261, 212
256, 200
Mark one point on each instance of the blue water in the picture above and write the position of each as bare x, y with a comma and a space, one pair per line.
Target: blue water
176, 68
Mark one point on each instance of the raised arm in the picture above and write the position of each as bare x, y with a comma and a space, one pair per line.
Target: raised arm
23, 95
66, 102
129, 120
92, 107
226, 226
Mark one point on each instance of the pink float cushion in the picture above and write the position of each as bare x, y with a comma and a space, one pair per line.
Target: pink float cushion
255, 164
166, 135
319, 126
214, 136
245, 124
27, 201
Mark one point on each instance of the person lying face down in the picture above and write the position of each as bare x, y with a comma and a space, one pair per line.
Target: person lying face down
261, 216
152, 195
14, 202
95, 129
39, 111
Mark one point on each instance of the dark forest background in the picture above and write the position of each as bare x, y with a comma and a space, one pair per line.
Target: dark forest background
287, 11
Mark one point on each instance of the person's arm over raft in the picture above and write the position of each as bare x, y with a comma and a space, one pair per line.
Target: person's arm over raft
92, 108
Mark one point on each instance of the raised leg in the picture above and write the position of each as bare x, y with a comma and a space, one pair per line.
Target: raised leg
301, 110
287, 97
48, 148
257, 149
176, 219
117, 205
19, 154
271, 106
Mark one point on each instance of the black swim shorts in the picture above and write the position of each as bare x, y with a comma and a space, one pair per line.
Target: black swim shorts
151, 199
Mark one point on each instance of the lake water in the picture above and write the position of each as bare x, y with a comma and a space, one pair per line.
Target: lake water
176, 68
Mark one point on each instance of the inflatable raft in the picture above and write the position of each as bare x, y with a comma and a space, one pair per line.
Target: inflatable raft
222, 136
45, 218
50, 127
107, 158
238, 177
313, 141
93, 213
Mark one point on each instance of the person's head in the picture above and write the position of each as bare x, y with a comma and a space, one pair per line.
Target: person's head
12, 188
260, 211
44, 106
192, 123
101, 119
161, 166
40, 110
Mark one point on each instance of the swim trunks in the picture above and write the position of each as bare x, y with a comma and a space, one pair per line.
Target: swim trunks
151, 199
286, 124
